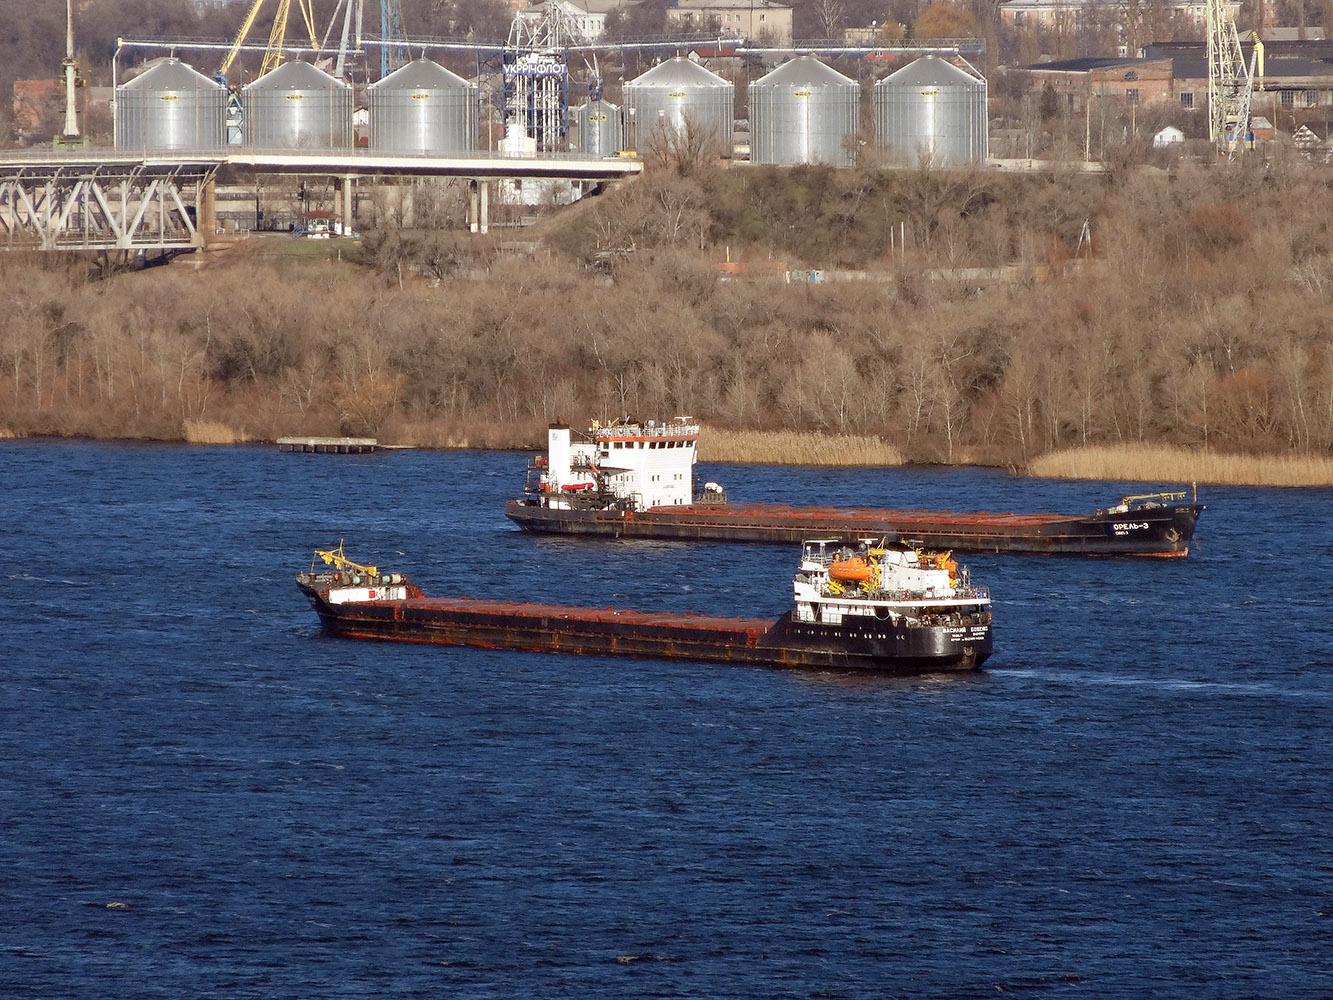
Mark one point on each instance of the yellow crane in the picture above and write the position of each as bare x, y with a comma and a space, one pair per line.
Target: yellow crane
277, 36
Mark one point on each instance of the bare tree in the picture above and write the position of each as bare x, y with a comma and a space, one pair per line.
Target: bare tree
832, 15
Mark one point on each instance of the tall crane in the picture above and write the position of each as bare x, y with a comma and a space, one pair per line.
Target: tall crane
1230, 83
394, 52
393, 40
351, 11
277, 35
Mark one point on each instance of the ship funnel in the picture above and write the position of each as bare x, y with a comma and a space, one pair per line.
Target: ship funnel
557, 454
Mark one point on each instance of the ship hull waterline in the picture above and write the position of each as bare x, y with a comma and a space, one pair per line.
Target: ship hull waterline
872, 645
1162, 533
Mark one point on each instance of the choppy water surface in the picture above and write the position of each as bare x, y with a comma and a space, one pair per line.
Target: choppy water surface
1132, 800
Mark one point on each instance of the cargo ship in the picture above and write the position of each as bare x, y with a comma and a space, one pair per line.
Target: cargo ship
868, 606
631, 480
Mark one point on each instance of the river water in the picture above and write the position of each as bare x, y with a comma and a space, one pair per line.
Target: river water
202, 796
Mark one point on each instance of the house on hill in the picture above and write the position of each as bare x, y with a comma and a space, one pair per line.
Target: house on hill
587, 17
750, 19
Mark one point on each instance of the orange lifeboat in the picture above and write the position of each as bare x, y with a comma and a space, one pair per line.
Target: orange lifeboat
854, 570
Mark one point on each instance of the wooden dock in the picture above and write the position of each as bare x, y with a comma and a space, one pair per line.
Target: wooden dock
329, 446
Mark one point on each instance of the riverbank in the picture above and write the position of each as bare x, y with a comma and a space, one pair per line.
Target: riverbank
1139, 463
1156, 465
475, 346
1131, 463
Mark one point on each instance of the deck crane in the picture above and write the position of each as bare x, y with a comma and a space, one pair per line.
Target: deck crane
277, 35
1230, 82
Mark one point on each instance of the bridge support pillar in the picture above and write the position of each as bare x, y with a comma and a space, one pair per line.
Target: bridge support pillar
345, 189
479, 205
207, 211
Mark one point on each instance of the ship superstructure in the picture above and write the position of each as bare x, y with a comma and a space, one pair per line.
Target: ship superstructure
623, 465
839, 583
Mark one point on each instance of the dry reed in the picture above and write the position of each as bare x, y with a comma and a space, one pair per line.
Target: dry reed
793, 448
425, 434
1147, 463
211, 432
5, 432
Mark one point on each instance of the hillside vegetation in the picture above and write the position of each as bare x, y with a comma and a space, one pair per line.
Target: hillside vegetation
1198, 320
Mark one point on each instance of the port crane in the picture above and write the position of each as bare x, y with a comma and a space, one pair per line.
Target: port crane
393, 40
1230, 81
277, 34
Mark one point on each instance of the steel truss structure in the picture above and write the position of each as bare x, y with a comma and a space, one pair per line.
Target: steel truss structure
1230, 83
131, 206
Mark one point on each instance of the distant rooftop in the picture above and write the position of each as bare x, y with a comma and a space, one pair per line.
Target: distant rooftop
1285, 35
1090, 63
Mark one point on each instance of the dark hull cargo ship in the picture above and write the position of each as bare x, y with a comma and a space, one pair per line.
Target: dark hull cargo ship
887, 609
636, 481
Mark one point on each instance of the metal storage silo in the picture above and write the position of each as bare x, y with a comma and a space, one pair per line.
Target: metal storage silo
802, 112
423, 108
170, 106
675, 93
931, 109
600, 128
298, 106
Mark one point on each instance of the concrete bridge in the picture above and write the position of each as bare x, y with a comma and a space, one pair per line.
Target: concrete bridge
116, 199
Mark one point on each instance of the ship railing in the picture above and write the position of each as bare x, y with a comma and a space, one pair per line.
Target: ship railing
646, 430
957, 594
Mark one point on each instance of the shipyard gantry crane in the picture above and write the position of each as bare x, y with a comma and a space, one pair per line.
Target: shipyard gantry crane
277, 35
1230, 82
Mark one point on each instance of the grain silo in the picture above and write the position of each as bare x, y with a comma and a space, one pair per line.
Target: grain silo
803, 112
599, 128
423, 108
931, 111
681, 97
298, 106
171, 106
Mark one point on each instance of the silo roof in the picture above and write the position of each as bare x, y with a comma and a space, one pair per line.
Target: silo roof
678, 72
805, 71
170, 74
296, 75
421, 74
932, 71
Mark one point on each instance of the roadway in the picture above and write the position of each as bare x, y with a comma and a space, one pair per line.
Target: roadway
332, 162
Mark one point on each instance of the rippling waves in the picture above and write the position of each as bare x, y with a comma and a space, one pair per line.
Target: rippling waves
202, 796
